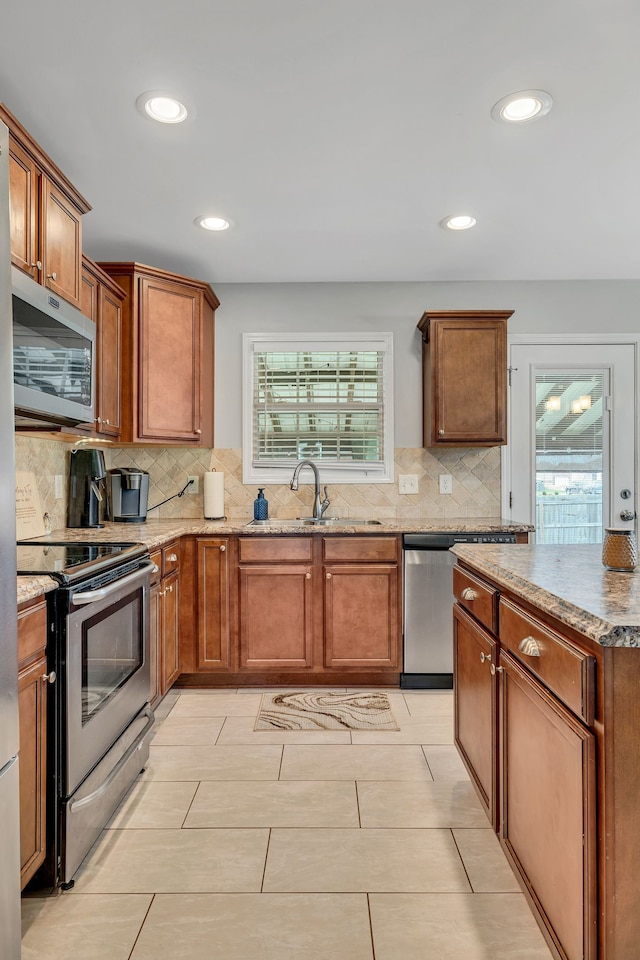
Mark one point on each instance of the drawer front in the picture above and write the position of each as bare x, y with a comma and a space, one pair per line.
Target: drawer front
156, 557
476, 596
566, 671
278, 549
358, 549
32, 632
170, 558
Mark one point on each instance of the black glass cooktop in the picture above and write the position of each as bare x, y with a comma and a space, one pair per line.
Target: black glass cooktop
69, 562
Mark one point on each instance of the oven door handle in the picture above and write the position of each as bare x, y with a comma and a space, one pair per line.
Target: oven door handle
91, 596
106, 783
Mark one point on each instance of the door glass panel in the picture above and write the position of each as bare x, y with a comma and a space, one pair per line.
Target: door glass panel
112, 651
570, 455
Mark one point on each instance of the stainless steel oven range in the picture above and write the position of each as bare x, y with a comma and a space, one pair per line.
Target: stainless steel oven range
100, 715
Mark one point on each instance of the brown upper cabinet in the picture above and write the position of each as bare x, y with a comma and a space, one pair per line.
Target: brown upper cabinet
167, 357
464, 360
45, 216
101, 301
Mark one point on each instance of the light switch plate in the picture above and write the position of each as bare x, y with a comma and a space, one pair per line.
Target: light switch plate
408, 483
446, 483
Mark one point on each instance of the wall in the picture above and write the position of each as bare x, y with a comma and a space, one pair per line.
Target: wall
588, 307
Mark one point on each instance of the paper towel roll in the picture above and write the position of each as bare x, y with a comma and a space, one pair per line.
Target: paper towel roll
214, 495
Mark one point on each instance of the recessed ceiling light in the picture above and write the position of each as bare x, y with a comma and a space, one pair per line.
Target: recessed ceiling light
522, 106
161, 107
212, 223
458, 222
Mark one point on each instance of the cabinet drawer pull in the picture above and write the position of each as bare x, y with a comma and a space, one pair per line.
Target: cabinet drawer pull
52, 276
485, 656
222, 548
530, 647
495, 669
49, 677
172, 557
469, 594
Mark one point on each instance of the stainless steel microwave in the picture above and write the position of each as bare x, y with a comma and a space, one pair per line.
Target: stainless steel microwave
54, 357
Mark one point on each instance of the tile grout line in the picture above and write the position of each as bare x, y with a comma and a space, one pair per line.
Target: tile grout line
144, 920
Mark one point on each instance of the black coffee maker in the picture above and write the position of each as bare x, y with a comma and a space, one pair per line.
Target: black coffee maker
86, 483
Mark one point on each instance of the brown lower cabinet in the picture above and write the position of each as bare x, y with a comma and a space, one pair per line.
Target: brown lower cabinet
33, 683
164, 620
291, 609
546, 723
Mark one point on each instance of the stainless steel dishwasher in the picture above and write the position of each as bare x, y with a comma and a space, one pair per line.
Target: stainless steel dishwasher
428, 602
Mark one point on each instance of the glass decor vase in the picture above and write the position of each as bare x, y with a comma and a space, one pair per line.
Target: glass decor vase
619, 549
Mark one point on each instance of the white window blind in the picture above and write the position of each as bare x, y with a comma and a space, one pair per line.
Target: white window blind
321, 400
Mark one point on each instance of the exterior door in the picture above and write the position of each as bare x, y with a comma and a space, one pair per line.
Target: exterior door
571, 463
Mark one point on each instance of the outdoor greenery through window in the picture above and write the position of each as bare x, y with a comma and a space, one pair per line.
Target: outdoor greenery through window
326, 401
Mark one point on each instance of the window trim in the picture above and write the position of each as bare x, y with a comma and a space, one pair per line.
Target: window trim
255, 342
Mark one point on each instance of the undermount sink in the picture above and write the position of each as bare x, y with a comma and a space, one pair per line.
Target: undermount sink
312, 522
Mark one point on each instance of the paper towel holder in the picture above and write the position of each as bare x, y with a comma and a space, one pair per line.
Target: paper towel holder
219, 503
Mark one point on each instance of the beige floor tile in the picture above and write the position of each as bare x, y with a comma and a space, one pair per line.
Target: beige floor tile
239, 730
166, 705
213, 763
362, 762
349, 861
91, 927
154, 804
444, 762
422, 704
412, 730
297, 803
485, 863
455, 927
257, 927
216, 704
448, 803
175, 861
188, 731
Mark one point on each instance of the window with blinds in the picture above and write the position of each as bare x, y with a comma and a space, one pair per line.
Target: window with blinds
321, 400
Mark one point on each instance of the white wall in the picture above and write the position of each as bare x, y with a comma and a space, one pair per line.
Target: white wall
540, 307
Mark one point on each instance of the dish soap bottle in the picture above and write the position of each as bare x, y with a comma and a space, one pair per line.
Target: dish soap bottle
261, 506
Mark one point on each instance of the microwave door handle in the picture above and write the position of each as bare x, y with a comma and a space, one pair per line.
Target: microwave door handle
106, 783
92, 596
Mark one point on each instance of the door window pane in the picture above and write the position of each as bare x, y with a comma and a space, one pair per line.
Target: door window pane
571, 445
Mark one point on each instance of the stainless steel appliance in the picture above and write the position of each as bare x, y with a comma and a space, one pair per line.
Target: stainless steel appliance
86, 483
53, 357
9, 785
127, 494
428, 603
100, 716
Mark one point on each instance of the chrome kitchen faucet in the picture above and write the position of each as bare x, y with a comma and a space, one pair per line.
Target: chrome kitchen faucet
319, 506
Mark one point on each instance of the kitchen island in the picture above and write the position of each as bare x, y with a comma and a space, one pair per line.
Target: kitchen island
547, 714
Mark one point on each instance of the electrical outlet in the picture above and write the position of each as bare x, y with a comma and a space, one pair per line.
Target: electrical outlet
58, 486
194, 485
408, 483
446, 483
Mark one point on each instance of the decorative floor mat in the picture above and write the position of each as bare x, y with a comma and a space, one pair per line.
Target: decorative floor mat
325, 711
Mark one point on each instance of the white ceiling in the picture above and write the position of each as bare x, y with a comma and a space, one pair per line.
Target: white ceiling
336, 134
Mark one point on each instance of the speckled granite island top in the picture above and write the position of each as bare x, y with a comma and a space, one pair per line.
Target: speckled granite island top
568, 582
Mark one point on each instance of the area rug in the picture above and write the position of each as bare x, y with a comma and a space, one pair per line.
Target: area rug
325, 711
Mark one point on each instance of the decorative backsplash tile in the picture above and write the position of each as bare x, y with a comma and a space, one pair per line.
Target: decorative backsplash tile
475, 473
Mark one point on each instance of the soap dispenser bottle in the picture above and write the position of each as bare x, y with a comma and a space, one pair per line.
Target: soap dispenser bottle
261, 506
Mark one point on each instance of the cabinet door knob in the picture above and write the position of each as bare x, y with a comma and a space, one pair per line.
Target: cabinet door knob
495, 669
441, 432
222, 548
308, 576
169, 589
530, 647
485, 656
172, 557
108, 422
198, 430
37, 264
49, 677
469, 594
328, 576
52, 276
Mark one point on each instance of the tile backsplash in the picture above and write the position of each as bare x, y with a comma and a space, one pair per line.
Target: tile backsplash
475, 473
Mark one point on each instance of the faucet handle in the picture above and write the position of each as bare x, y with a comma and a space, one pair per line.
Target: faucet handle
325, 503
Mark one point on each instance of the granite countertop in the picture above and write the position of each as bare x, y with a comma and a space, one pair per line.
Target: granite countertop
155, 533
568, 582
